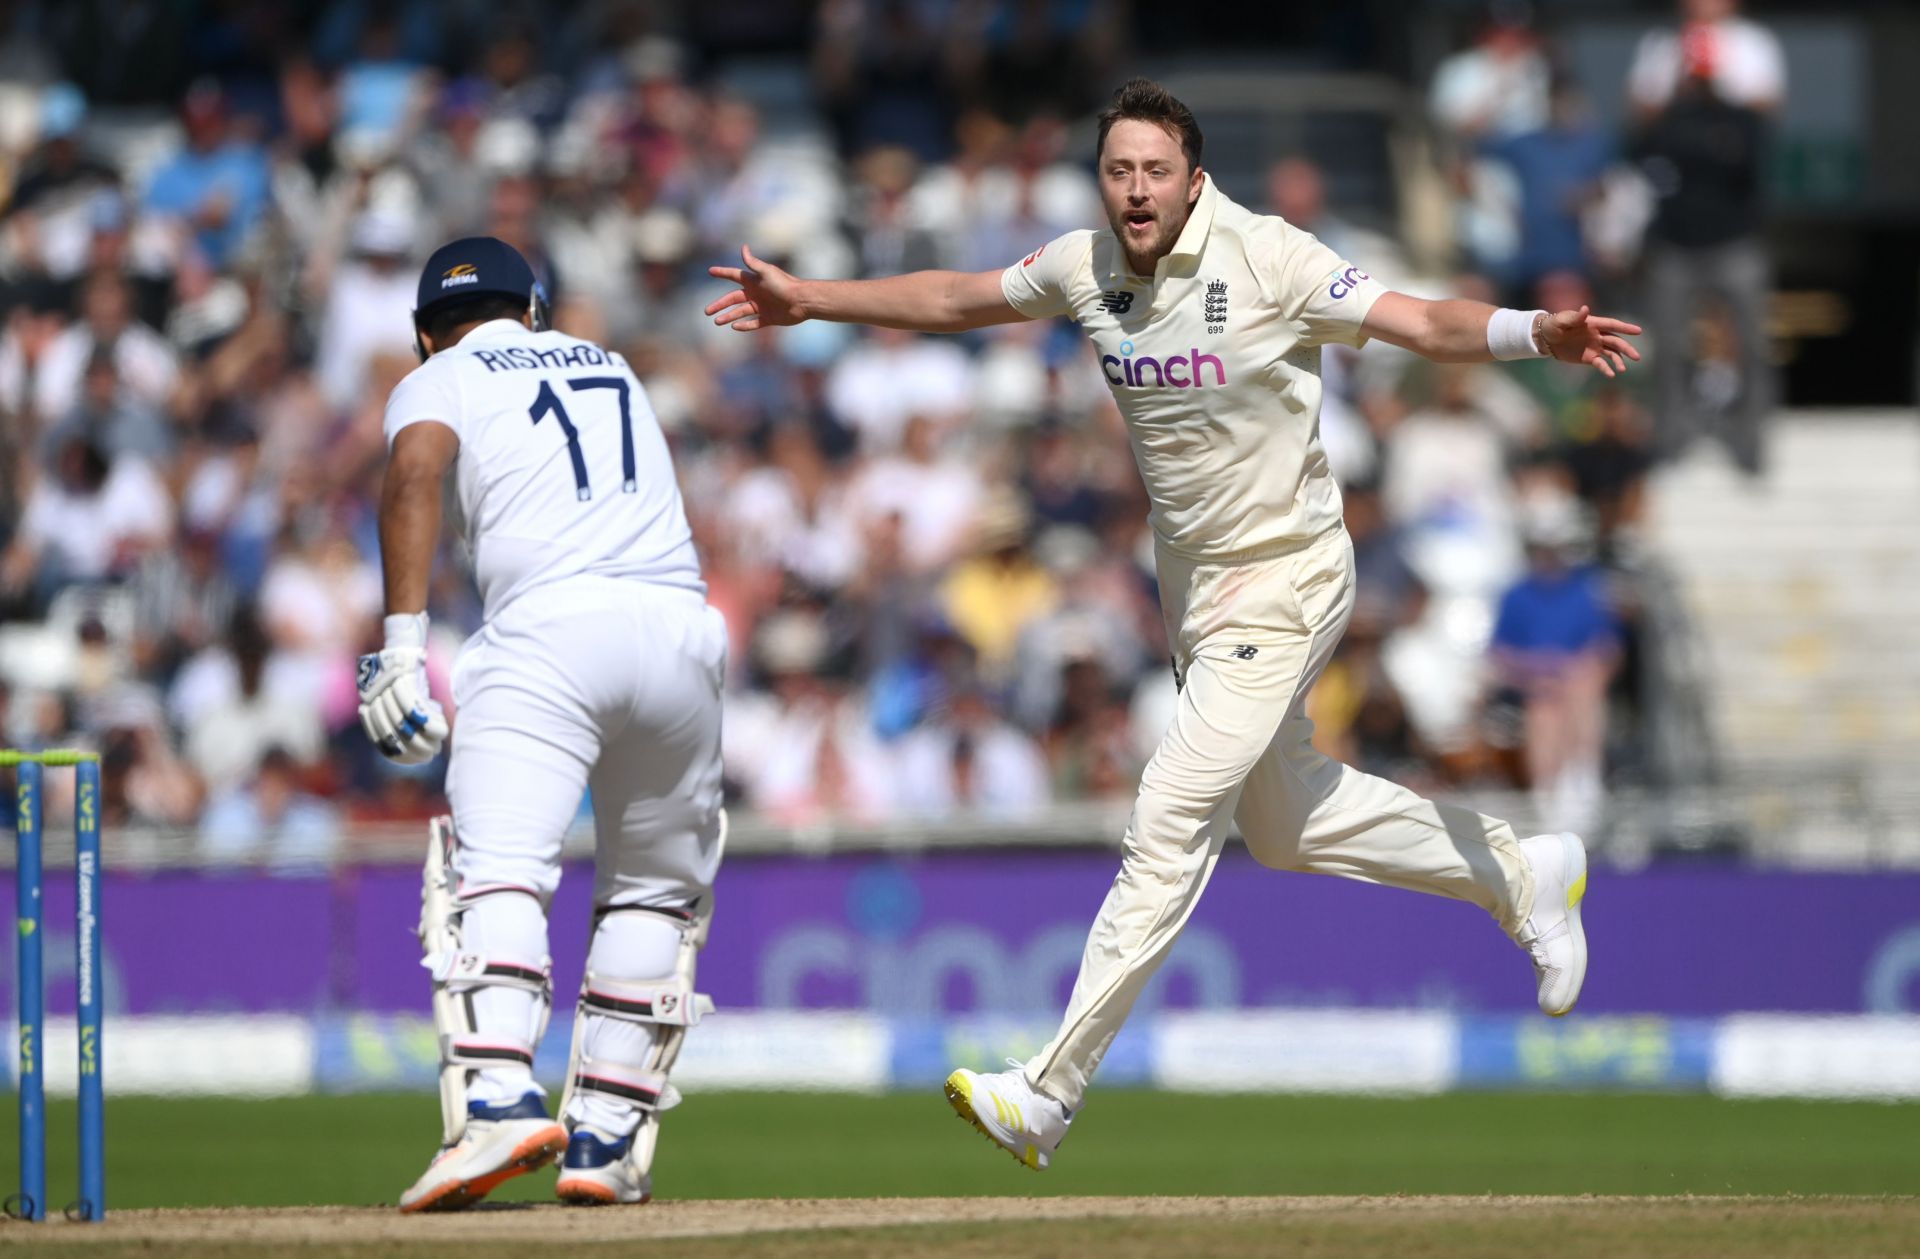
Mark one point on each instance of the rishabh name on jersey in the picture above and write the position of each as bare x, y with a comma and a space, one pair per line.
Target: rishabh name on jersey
1214, 362
563, 471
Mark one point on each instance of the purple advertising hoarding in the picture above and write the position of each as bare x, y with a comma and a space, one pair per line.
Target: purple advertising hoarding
953, 932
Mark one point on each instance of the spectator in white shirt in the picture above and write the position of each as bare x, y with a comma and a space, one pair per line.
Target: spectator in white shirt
971, 759
1446, 486
891, 376
1741, 59
936, 497
792, 511
1499, 85
806, 752
145, 362
369, 307
320, 593
87, 521
228, 739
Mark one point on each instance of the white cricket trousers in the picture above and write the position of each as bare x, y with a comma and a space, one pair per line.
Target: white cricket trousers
591, 683
608, 685
1248, 640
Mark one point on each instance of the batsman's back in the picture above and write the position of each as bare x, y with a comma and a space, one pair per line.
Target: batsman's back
563, 470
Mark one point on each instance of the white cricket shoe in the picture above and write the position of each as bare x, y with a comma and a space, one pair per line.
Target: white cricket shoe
1553, 936
1010, 1113
501, 1142
599, 1172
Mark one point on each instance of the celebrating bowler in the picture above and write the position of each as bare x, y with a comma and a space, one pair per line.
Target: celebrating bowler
1208, 321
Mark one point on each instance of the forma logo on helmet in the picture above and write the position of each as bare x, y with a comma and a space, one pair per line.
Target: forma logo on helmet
469, 281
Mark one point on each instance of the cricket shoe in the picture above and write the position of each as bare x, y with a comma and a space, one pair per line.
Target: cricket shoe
1552, 934
502, 1141
599, 1172
1010, 1113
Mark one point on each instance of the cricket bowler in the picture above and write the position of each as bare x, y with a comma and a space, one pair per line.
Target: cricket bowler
1208, 321
599, 665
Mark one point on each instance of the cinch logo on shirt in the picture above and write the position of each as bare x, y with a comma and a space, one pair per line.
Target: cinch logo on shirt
1344, 282
465, 273
1182, 371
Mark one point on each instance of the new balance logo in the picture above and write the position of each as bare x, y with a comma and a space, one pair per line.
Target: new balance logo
1116, 301
1244, 653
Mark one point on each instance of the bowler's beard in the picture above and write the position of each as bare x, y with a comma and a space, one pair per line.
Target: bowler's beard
1166, 233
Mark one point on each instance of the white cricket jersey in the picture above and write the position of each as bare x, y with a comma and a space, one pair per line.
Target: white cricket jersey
1214, 361
563, 470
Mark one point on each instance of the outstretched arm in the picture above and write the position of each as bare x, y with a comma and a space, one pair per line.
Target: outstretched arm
924, 301
1460, 331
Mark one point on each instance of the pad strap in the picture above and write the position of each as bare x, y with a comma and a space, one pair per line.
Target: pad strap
470, 1051
671, 1001
681, 914
462, 972
644, 1089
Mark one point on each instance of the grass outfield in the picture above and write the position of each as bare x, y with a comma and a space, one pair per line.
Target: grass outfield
366, 1149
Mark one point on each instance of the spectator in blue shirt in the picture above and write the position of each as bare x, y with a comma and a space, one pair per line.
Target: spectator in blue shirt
271, 820
218, 184
378, 89
1558, 168
1556, 645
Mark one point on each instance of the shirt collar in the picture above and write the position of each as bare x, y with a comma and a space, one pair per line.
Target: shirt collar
1193, 237
495, 328
1186, 252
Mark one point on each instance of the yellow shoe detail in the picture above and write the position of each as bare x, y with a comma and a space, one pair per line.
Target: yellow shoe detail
1577, 890
959, 1090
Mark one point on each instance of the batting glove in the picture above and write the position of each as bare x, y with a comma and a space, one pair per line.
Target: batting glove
401, 718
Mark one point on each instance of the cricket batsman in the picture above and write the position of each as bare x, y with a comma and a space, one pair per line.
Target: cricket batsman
1208, 321
598, 666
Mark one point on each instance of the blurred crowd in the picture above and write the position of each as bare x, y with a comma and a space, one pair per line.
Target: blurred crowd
932, 553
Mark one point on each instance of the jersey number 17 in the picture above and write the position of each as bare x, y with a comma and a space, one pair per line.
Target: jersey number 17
547, 402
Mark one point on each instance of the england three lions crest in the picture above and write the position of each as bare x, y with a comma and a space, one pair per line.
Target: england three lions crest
1216, 303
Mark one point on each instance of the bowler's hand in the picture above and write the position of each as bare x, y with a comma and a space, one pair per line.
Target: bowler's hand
767, 297
1579, 336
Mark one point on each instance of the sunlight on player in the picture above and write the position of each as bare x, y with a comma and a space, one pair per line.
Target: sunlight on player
598, 664
1208, 321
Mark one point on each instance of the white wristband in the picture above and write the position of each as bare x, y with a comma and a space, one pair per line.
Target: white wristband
1510, 334
407, 630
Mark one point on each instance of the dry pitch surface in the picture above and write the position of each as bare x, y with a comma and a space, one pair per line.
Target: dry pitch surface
1113, 1228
